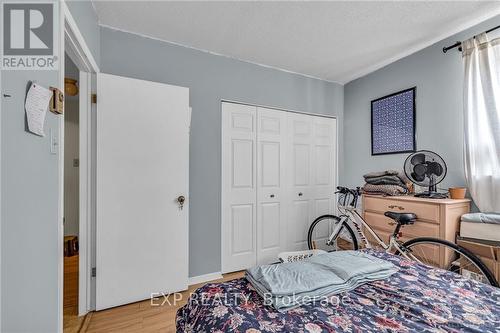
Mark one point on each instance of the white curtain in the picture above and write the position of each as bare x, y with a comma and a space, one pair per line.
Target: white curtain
482, 121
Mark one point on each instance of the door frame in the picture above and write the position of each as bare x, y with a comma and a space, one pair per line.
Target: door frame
221, 194
79, 52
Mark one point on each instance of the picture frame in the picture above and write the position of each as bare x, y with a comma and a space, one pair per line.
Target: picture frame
393, 123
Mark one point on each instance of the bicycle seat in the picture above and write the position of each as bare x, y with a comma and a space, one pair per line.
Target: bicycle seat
402, 218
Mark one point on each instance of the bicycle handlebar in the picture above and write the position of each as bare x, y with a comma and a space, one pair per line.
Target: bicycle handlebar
346, 190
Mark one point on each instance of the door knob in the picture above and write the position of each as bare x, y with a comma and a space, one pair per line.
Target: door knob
181, 199
300, 194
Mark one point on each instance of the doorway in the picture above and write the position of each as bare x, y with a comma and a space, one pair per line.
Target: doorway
76, 177
71, 191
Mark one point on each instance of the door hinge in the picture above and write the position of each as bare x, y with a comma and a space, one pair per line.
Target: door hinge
94, 272
93, 98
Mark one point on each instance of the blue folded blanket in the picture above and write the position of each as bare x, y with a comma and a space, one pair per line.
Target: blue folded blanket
288, 285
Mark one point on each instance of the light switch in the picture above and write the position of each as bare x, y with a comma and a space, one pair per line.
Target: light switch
54, 142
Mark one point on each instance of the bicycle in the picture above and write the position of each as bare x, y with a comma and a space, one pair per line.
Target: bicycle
334, 233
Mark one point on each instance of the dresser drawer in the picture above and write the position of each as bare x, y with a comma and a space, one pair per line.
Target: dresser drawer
418, 229
424, 211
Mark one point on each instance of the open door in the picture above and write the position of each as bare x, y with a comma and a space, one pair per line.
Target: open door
142, 175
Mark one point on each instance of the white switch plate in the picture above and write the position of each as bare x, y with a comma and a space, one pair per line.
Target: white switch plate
54, 143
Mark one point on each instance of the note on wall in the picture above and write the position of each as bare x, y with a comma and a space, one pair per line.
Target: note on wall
37, 103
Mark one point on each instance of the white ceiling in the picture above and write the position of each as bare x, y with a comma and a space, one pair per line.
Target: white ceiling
334, 41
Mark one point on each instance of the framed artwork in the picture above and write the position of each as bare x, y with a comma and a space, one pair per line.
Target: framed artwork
393, 123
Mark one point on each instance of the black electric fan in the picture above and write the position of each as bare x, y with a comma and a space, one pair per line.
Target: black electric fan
426, 168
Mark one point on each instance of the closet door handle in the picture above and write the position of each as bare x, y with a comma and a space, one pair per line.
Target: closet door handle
300, 194
272, 195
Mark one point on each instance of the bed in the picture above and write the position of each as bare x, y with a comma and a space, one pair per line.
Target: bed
416, 298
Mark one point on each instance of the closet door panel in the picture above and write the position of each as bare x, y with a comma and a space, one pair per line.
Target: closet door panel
299, 168
239, 183
298, 225
324, 161
270, 225
270, 153
241, 227
271, 136
311, 179
241, 164
322, 207
301, 159
323, 165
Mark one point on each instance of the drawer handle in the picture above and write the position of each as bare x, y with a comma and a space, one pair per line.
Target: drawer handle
272, 195
300, 194
395, 206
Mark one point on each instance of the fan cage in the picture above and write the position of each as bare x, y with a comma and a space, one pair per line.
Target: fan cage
432, 185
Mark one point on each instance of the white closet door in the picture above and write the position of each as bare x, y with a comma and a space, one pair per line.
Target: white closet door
300, 163
278, 175
312, 170
238, 186
271, 191
323, 170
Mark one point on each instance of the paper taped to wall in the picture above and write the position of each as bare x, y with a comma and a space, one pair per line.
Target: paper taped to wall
36, 105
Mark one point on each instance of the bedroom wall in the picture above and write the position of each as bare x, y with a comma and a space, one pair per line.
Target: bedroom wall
30, 201
439, 120
210, 79
29, 239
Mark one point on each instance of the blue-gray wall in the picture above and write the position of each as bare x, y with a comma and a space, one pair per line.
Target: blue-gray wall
439, 79
211, 78
30, 200
29, 220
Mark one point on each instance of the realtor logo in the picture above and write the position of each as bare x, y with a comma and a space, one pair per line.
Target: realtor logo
29, 36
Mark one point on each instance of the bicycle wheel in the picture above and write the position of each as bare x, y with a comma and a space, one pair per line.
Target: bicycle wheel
321, 229
453, 258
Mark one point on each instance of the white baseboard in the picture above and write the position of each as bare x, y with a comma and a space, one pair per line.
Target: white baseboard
204, 278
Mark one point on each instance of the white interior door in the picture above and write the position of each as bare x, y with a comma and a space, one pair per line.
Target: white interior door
238, 186
142, 169
271, 190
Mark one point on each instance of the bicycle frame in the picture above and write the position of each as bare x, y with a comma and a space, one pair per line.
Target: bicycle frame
351, 214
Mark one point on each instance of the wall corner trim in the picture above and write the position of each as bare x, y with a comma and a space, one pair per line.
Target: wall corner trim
70, 26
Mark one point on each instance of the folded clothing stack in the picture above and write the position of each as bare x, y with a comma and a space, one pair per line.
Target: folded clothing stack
289, 285
389, 182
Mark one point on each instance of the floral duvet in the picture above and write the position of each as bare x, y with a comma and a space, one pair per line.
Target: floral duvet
416, 299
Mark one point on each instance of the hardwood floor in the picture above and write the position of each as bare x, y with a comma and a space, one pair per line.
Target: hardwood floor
141, 316
71, 321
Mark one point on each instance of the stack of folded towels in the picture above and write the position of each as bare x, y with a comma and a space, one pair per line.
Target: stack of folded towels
388, 182
288, 285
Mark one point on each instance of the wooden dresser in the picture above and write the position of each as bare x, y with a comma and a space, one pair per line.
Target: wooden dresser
438, 218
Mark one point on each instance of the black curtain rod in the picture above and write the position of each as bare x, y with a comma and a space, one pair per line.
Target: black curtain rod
459, 44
